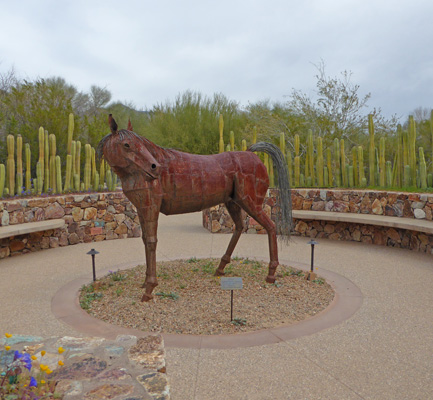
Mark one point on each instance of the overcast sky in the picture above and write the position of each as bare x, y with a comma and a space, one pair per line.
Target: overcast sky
147, 52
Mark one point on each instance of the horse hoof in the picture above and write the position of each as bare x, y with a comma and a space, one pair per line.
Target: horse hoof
270, 279
146, 297
219, 273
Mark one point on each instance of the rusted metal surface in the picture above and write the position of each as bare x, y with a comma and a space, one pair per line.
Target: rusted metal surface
172, 182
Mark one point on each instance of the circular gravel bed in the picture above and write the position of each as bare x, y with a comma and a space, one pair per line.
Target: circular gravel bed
189, 299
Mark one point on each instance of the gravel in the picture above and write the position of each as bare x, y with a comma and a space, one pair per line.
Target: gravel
189, 298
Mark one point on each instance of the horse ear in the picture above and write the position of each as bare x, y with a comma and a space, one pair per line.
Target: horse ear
130, 128
112, 123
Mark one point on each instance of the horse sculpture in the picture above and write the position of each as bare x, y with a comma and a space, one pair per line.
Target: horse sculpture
157, 180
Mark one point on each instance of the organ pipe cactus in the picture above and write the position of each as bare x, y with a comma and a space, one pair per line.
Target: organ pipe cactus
42, 150
28, 167
371, 150
254, 134
355, 166
337, 162
296, 145
297, 171
382, 163
87, 166
47, 162
11, 164
320, 163
290, 166
102, 173
362, 179
70, 132
422, 169
388, 169
77, 171
244, 145
2, 179
221, 130
39, 185
53, 150
412, 149
68, 175
343, 163
282, 143
329, 166
19, 180
58, 174
310, 148
232, 141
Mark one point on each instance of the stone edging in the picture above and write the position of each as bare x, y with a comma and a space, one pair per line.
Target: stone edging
393, 204
97, 368
348, 299
88, 218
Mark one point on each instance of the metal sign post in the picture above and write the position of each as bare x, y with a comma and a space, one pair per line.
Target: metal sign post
231, 283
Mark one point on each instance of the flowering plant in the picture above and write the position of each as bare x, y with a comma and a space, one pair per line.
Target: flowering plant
22, 379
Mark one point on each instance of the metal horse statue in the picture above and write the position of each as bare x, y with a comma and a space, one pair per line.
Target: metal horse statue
158, 180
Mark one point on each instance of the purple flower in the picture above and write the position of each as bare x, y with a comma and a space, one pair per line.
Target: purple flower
24, 358
33, 382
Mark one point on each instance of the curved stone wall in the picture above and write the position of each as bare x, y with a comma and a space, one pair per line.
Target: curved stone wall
394, 204
89, 218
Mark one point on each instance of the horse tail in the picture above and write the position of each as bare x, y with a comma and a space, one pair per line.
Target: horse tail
283, 222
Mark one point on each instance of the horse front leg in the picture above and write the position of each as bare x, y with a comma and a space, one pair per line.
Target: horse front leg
149, 228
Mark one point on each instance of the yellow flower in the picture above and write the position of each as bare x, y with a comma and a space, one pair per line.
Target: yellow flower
48, 371
60, 350
43, 352
7, 348
34, 358
42, 382
43, 367
61, 362
8, 335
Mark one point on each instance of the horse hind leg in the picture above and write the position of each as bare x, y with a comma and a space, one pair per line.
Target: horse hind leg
236, 213
262, 218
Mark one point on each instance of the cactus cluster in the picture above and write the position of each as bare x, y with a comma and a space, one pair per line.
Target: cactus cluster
50, 175
337, 166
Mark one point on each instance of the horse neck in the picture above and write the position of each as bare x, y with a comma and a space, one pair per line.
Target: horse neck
159, 153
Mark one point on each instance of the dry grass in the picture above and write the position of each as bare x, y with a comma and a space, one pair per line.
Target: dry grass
189, 298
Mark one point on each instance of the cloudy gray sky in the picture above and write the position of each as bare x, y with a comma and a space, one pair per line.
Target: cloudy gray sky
149, 51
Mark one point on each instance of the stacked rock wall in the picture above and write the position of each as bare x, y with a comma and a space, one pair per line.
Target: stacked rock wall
395, 204
89, 218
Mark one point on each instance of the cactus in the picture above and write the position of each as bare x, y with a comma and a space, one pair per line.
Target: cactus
382, 164
371, 152
302, 180
73, 156
406, 176
228, 148
19, 180
412, 149
254, 134
310, 157
28, 167
244, 145
2, 179
355, 166
87, 166
93, 156
96, 183
431, 131
362, 179
58, 174
320, 163
290, 166
53, 150
68, 175
326, 176
282, 143
47, 162
306, 168
102, 173
70, 132
232, 141
11, 164
42, 151
343, 163
297, 171
422, 169
329, 166
337, 163
221, 130
429, 180
39, 185
77, 171
109, 178
271, 173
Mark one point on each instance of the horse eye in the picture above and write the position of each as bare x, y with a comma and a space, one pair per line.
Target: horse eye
126, 145
153, 166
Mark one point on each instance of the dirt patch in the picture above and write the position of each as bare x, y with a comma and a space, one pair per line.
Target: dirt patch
189, 299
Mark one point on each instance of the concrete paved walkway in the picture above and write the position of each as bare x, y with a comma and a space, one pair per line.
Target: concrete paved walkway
384, 351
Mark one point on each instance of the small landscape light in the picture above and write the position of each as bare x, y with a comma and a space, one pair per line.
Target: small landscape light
311, 275
93, 253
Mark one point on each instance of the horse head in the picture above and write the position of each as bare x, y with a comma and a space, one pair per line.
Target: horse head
127, 154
